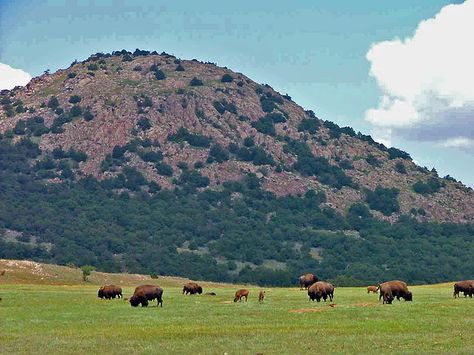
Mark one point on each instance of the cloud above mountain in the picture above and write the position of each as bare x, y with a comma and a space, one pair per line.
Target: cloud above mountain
426, 81
11, 77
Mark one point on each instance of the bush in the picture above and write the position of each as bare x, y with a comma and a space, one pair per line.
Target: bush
53, 102
223, 106
195, 140
431, 186
400, 167
226, 78
384, 200
218, 154
92, 67
373, 161
144, 123
179, 68
309, 125
71, 75
265, 125
196, 82
88, 116
75, 111
159, 75
164, 169
74, 99
394, 153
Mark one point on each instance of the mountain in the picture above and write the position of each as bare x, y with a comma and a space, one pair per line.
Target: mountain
145, 162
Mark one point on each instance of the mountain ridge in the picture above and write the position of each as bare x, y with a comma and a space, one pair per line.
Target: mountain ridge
150, 97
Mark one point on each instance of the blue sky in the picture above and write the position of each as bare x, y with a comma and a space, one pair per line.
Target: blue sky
313, 50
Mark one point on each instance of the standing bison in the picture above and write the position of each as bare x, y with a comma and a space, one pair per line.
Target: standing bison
146, 293
372, 289
109, 291
307, 280
466, 286
240, 294
320, 290
391, 289
192, 288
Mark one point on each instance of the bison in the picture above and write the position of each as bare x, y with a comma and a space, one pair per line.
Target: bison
391, 289
2, 273
241, 293
192, 288
146, 293
372, 289
109, 291
261, 296
320, 290
466, 286
307, 280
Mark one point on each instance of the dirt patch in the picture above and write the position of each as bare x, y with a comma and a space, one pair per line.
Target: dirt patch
306, 310
366, 304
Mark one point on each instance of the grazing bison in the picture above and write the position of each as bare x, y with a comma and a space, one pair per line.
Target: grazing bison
109, 291
261, 296
192, 288
466, 286
321, 289
241, 293
146, 293
391, 289
372, 289
307, 280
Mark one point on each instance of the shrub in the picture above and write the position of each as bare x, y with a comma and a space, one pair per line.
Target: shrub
75, 111
196, 82
144, 123
226, 78
218, 154
400, 167
71, 75
164, 169
92, 67
53, 102
309, 125
373, 161
265, 125
137, 68
159, 75
223, 106
394, 153
74, 99
383, 200
179, 68
88, 116
431, 186
195, 140
151, 156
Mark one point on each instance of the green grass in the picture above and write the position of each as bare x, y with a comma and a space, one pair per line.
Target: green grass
71, 319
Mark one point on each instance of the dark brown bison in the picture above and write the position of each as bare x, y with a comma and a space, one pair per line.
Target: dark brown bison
372, 289
307, 280
466, 286
321, 290
261, 296
109, 291
146, 293
394, 289
241, 293
192, 288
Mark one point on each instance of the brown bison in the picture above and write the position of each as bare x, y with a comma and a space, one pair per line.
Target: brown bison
241, 293
192, 288
146, 293
261, 296
391, 289
466, 286
320, 290
2, 273
307, 280
372, 289
109, 291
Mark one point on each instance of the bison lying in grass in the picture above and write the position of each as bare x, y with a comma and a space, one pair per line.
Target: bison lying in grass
146, 293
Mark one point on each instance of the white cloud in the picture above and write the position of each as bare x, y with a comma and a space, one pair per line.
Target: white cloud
458, 142
10, 77
426, 80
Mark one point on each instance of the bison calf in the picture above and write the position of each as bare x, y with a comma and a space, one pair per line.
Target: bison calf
261, 296
372, 289
241, 293
146, 293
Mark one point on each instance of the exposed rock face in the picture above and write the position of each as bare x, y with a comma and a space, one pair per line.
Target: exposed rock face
120, 91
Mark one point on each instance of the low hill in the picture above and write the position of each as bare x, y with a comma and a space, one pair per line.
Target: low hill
144, 162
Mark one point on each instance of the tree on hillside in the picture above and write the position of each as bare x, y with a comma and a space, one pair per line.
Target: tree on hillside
86, 271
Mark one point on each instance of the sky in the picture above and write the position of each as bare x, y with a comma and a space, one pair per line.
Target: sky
398, 70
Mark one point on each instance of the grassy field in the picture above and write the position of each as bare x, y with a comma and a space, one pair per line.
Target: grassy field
52, 318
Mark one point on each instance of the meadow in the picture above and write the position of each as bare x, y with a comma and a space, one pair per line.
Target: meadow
38, 317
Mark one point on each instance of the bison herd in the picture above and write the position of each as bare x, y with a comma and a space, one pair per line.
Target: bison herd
317, 290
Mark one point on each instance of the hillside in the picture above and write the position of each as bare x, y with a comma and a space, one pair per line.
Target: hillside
147, 163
